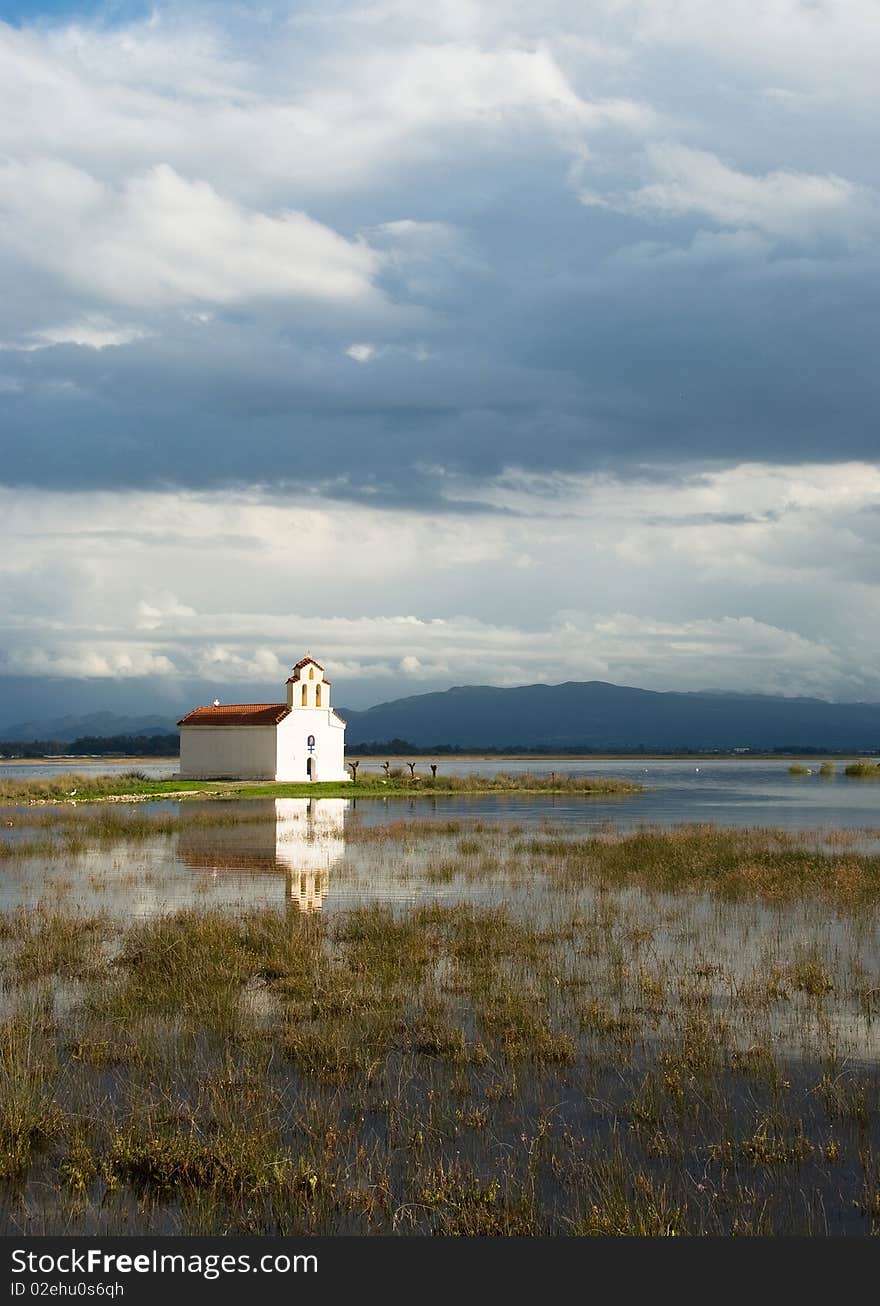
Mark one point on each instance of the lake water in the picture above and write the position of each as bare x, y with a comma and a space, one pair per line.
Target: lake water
722, 792
304, 853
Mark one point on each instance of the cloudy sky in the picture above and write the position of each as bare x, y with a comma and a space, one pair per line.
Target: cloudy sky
483, 342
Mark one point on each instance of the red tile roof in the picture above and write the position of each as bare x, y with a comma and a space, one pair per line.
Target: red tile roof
304, 662
236, 714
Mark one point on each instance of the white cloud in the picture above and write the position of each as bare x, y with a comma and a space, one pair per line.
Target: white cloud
153, 614
731, 652
829, 44
782, 204
364, 352
754, 578
223, 662
92, 331
276, 105
201, 159
81, 661
361, 353
159, 239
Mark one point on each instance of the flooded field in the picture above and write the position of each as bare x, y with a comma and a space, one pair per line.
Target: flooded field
479, 1016
740, 791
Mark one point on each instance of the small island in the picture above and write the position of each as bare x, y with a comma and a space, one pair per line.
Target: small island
134, 786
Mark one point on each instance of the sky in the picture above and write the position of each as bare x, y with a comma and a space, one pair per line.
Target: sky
491, 344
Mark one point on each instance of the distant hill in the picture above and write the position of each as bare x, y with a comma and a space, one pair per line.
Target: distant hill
93, 746
67, 728
590, 715
597, 716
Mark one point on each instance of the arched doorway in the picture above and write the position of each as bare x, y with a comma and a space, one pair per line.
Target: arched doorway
312, 769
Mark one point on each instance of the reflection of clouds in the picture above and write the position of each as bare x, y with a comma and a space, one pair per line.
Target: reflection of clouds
302, 839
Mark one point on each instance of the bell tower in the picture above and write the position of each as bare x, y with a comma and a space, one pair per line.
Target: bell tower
307, 686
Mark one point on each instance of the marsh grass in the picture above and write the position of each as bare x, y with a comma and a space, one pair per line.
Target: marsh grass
74, 788
504, 782
29, 1113
620, 1201
78, 826
74, 784
49, 942
767, 863
658, 1033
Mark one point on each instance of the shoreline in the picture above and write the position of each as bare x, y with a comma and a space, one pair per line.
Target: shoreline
402, 758
125, 788
89, 758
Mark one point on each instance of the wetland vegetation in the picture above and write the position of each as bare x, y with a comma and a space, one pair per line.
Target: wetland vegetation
529, 1031
134, 784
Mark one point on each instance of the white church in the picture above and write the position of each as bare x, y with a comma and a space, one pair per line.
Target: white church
300, 740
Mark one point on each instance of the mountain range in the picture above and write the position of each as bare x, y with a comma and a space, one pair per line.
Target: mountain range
597, 716
590, 715
64, 729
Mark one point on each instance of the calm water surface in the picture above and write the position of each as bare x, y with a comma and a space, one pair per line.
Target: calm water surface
304, 854
722, 792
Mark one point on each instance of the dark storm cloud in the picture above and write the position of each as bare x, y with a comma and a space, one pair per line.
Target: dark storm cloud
430, 251
647, 365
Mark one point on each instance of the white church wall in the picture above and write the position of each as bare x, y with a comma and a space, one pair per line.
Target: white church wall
327, 753
227, 752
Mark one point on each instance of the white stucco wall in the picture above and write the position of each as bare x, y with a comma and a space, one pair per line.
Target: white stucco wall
328, 754
227, 752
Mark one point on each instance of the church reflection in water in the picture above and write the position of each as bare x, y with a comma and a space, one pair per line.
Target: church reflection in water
299, 839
